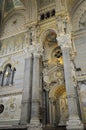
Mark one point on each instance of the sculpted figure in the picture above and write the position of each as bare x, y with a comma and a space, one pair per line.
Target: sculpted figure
60, 25
63, 25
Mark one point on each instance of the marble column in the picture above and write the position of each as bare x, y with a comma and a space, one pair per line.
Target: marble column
57, 108
35, 120
47, 108
27, 90
74, 122
52, 113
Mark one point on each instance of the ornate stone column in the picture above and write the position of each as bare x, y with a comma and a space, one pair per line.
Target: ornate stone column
27, 90
47, 108
74, 122
35, 121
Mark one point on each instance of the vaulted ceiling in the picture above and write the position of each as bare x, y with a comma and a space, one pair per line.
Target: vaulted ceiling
9, 4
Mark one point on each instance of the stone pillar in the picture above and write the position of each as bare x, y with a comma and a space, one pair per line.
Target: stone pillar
74, 122
27, 90
52, 112
44, 106
35, 121
57, 108
35, 90
47, 108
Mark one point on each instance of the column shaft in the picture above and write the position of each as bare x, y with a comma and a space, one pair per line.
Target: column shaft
27, 90
69, 84
74, 122
47, 108
35, 91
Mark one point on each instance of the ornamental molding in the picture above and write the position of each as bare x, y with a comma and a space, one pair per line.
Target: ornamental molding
8, 61
53, 77
9, 91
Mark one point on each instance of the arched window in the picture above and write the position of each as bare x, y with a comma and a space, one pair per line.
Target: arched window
7, 76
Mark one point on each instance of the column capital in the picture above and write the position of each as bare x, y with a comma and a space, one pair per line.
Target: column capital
64, 41
27, 52
38, 50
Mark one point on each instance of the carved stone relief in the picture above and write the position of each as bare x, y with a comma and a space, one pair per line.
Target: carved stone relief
12, 44
12, 108
63, 110
53, 76
63, 25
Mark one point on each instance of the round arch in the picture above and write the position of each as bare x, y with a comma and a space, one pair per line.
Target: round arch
77, 15
7, 62
44, 33
57, 91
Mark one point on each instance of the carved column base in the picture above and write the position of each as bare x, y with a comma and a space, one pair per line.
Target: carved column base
62, 123
35, 122
74, 124
34, 127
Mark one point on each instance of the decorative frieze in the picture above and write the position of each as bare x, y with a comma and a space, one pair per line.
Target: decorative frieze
12, 44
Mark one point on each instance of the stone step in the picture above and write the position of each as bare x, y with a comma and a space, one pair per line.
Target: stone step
57, 128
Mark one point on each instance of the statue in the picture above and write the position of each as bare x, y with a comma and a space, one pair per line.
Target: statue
60, 25
63, 25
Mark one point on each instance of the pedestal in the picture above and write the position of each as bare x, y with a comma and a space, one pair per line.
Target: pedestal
34, 127
74, 124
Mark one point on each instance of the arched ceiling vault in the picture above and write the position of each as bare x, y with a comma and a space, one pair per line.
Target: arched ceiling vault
71, 5
8, 5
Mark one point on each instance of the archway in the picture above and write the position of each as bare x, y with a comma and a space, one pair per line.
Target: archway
58, 105
54, 92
